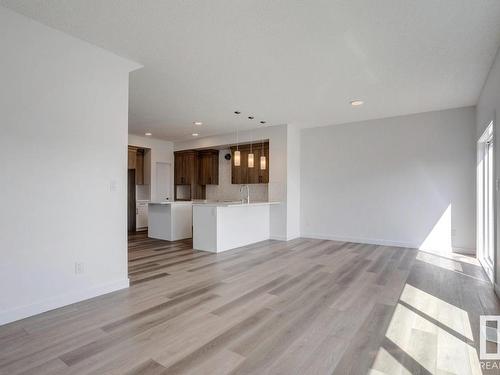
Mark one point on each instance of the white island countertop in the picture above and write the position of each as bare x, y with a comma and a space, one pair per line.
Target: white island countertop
221, 226
231, 204
171, 202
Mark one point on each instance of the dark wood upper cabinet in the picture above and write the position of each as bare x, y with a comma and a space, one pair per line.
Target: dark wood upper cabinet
264, 173
132, 152
194, 170
208, 173
136, 162
139, 167
246, 175
185, 167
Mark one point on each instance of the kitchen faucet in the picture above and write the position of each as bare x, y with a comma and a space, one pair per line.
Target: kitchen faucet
248, 193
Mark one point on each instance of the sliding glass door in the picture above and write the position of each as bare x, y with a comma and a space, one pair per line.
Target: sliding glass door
486, 201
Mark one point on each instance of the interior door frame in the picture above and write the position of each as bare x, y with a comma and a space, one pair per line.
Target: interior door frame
484, 237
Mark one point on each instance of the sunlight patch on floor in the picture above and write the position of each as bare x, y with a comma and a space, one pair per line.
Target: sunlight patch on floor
385, 363
445, 313
430, 333
445, 263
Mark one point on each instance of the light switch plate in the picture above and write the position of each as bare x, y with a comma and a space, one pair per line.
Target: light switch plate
113, 185
79, 268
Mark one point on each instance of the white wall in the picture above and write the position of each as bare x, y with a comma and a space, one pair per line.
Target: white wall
225, 190
161, 152
63, 126
487, 110
277, 136
390, 181
293, 181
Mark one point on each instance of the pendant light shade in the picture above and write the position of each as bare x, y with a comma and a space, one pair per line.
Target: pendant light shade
263, 161
250, 160
237, 158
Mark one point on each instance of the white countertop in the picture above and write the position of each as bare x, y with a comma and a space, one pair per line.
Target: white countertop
232, 204
172, 202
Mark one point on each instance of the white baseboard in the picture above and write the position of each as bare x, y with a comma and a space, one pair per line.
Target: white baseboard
369, 241
283, 238
278, 238
464, 251
373, 241
293, 237
60, 301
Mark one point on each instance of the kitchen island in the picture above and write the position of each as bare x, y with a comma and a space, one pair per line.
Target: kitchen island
222, 226
170, 221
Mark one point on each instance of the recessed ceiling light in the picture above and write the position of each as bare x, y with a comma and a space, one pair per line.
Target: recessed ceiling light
250, 117
198, 123
237, 112
195, 134
356, 103
262, 122
148, 134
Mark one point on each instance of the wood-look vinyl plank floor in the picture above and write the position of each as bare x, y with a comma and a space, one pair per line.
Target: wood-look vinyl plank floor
305, 306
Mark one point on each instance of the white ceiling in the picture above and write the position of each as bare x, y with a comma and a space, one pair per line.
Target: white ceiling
284, 61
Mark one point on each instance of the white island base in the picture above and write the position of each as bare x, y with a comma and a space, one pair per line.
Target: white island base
221, 227
170, 221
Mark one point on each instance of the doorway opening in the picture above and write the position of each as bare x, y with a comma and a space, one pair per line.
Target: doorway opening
138, 188
149, 181
486, 184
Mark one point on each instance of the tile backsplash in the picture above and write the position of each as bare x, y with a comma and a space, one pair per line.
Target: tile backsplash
227, 191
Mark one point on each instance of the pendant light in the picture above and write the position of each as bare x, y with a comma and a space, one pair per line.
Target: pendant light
250, 155
237, 153
250, 158
263, 160
237, 157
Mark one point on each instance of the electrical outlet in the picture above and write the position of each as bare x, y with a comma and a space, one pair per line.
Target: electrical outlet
79, 268
453, 232
113, 186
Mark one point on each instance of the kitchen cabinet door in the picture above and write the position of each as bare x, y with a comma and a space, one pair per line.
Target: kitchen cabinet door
253, 172
264, 173
246, 175
139, 167
208, 167
239, 173
131, 158
186, 167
